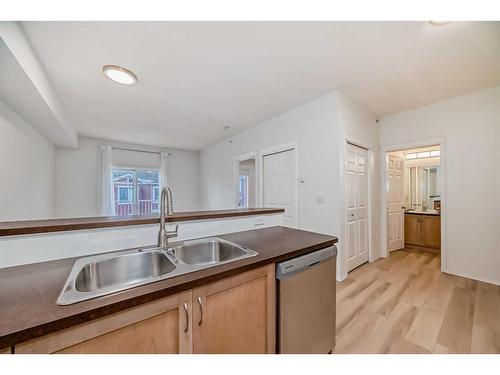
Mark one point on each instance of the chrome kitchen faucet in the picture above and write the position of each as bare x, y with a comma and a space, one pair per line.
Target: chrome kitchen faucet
166, 202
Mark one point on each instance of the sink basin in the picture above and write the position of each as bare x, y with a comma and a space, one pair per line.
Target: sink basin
122, 270
209, 251
103, 274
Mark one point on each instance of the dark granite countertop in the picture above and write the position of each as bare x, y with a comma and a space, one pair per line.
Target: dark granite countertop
28, 293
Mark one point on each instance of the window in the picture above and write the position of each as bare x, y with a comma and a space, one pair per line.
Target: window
125, 194
423, 155
136, 191
156, 193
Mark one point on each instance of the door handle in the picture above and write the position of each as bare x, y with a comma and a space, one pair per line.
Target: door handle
201, 311
187, 317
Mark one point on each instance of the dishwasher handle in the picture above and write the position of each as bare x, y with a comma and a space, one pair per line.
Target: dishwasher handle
296, 265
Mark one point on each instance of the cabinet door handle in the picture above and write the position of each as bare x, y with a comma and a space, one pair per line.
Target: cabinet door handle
187, 317
201, 311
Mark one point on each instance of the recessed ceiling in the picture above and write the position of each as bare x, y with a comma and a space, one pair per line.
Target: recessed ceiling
196, 77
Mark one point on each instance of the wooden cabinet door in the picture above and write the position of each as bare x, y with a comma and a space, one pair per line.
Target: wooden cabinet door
431, 231
236, 314
162, 326
412, 230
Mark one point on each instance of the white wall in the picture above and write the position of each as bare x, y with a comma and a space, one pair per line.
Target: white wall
27, 170
18, 250
78, 175
319, 127
471, 126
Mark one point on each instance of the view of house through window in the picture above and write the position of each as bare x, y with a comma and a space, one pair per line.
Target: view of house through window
136, 191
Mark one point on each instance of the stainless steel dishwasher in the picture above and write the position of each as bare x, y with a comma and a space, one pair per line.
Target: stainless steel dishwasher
306, 303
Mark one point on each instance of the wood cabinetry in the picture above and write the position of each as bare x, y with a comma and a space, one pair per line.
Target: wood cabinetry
423, 231
412, 229
431, 231
232, 315
157, 327
237, 314
5, 350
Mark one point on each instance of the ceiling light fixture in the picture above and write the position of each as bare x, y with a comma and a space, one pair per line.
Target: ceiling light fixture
439, 23
119, 74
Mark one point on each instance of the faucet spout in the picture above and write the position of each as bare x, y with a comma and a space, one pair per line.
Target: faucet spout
165, 205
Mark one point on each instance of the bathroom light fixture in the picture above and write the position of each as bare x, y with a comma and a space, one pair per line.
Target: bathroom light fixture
439, 23
119, 74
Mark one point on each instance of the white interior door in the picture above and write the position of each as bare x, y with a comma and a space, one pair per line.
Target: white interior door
356, 242
395, 203
280, 185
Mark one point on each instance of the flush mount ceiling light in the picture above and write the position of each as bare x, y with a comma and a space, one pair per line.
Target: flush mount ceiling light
439, 23
119, 74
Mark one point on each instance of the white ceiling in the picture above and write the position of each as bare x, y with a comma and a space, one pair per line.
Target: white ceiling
196, 77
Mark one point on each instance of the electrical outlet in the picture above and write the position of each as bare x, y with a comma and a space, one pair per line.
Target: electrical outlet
258, 221
320, 199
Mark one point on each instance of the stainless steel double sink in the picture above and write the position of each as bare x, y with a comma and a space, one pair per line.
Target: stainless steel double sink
103, 274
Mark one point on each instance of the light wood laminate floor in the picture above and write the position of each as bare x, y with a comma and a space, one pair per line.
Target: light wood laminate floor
405, 304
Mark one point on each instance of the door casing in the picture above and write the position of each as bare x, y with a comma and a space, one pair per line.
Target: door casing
236, 172
442, 181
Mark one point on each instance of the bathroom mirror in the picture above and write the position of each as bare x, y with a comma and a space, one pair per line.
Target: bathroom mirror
423, 187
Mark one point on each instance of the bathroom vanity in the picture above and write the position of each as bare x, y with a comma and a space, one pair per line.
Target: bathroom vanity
423, 230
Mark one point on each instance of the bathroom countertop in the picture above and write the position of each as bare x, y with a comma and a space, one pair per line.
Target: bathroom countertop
423, 213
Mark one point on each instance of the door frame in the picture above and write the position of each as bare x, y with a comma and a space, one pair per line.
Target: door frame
342, 260
384, 149
260, 168
236, 172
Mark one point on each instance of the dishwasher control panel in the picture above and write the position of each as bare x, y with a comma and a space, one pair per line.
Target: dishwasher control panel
292, 266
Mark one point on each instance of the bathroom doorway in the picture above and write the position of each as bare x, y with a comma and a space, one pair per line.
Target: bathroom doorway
245, 181
413, 193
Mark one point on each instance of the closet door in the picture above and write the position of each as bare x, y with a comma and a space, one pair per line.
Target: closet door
356, 206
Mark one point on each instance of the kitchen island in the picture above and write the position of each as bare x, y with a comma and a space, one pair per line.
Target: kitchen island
33, 322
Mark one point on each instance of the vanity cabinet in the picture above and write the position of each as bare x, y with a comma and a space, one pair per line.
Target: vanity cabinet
423, 230
232, 315
156, 327
237, 314
412, 230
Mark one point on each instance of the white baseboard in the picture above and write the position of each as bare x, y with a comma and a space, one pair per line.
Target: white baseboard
473, 277
341, 277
